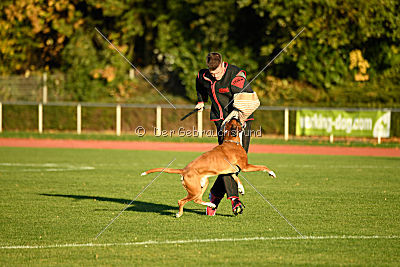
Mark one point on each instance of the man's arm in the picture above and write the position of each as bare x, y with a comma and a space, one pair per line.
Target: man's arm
240, 84
202, 96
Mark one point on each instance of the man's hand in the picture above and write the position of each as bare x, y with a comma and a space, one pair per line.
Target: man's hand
199, 106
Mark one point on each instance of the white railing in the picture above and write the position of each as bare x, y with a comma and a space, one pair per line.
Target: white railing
158, 108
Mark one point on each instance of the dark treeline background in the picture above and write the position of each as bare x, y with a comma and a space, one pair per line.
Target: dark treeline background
348, 54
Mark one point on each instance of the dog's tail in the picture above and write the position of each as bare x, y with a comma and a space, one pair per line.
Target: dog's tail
168, 170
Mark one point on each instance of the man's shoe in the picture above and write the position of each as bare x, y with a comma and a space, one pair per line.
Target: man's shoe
237, 206
215, 200
210, 211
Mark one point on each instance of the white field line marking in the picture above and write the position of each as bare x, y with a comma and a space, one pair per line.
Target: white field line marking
213, 240
29, 164
44, 167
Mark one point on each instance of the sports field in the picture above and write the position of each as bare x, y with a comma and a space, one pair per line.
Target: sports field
54, 202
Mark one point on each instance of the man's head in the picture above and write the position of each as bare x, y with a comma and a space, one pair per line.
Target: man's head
214, 60
214, 63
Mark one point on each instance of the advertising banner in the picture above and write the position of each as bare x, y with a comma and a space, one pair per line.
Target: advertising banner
343, 123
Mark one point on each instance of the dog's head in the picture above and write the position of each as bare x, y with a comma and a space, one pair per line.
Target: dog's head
232, 129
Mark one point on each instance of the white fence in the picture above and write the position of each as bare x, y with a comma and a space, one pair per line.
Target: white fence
158, 109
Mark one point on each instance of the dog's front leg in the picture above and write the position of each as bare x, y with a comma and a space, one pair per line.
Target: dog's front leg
255, 168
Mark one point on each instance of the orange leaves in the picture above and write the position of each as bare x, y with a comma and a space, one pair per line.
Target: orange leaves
60, 39
358, 62
78, 23
35, 32
107, 73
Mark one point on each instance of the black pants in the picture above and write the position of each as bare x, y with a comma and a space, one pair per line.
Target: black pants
225, 183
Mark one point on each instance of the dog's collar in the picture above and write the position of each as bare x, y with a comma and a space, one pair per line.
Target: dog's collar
231, 141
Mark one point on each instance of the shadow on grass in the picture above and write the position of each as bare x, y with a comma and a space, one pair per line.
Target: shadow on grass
138, 206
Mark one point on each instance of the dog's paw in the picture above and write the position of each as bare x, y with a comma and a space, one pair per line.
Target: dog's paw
177, 215
241, 189
272, 174
143, 174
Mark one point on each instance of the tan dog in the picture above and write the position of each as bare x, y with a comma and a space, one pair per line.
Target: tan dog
227, 158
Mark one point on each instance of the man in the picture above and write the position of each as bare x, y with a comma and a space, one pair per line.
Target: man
227, 87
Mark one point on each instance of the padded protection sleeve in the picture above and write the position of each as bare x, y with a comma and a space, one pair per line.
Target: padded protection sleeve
247, 103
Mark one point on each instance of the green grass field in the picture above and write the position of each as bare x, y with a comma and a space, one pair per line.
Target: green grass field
49, 197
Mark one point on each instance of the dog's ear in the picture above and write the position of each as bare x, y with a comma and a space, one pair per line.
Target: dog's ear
239, 127
226, 129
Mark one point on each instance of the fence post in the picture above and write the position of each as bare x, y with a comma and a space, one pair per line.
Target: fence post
286, 124
40, 117
118, 118
200, 122
158, 121
44, 87
78, 119
131, 73
380, 134
1, 117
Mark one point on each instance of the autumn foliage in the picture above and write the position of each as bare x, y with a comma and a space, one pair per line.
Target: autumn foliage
348, 54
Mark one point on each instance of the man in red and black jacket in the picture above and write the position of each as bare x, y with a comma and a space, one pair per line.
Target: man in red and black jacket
227, 88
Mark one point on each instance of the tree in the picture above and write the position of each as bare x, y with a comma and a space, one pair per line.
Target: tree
171, 39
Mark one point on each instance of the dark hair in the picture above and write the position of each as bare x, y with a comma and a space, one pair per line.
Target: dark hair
214, 59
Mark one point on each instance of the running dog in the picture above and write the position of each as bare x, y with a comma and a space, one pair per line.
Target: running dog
227, 158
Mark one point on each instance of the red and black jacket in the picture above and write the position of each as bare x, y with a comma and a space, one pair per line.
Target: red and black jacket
221, 92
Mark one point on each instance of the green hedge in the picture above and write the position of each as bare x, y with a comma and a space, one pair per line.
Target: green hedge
59, 118
20, 118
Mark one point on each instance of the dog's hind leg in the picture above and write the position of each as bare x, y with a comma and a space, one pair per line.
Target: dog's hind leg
199, 198
201, 202
182, 203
